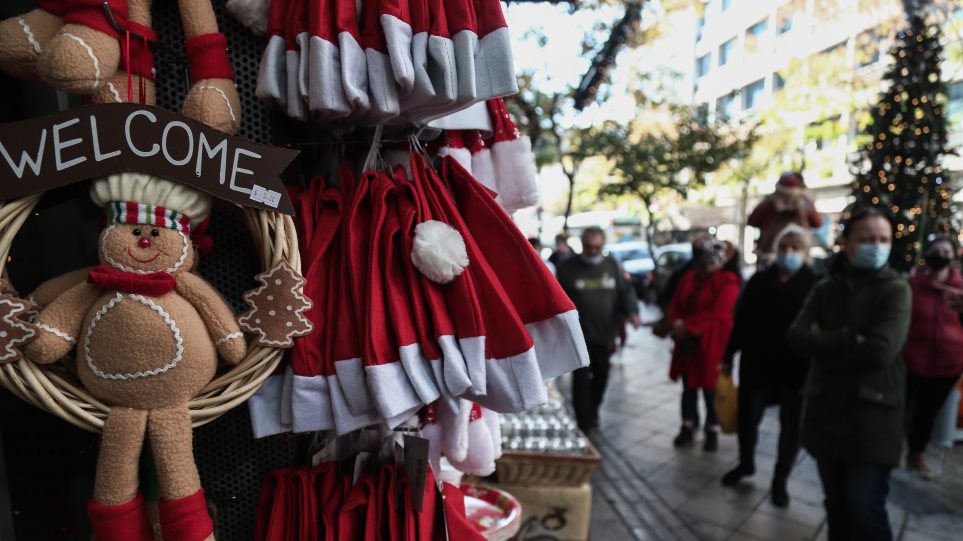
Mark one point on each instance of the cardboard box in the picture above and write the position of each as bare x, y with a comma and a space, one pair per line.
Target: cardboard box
560, 511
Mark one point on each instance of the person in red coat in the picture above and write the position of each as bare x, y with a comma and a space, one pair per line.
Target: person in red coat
701, 313
934, 350
789, 204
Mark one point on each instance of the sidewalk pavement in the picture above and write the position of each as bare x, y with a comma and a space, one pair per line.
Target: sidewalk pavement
648, 490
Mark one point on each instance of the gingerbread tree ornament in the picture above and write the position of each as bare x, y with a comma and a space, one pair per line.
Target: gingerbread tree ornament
277, 307
15, 331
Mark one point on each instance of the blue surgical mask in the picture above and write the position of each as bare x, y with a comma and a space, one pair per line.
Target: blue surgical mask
871, 256
790, 262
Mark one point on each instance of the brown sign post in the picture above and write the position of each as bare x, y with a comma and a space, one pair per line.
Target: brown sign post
42, 153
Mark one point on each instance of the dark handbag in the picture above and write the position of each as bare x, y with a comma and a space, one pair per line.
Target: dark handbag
688, 345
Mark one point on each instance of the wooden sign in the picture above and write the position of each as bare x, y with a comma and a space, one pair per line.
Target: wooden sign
42, 153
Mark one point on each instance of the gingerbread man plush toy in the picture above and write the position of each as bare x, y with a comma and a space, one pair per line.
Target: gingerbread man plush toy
148, 333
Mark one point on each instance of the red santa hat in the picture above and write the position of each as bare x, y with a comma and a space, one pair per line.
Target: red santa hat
296, 58
482, 164
463, 28
433, 58
453, 144
458, 525
395, 18
354, 66
479, 459
382, 89
512, 380
272, 76
494, 52
791, 183
326, 96
548, 313
512, 159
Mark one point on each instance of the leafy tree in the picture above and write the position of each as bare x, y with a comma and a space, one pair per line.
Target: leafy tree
898, 168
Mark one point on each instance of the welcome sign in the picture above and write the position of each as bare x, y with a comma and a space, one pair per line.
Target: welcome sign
43, 153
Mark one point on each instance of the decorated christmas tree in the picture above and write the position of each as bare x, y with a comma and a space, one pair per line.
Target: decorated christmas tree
898, 167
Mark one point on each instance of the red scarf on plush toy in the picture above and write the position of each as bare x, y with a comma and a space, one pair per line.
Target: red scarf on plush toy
154, 284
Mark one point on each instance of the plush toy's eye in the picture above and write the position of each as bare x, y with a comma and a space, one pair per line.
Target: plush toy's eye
154, 233
136, 232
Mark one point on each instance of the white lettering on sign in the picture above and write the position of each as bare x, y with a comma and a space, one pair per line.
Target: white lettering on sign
235, 169
190, 144
130, 142
204, 148
26, 159
59, 145
98, 155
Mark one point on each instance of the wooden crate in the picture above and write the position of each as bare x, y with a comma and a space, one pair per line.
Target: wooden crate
526, 468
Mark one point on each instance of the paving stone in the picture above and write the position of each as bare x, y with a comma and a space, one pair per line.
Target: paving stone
766, 526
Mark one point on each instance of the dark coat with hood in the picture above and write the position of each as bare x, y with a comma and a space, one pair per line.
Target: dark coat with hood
853, 327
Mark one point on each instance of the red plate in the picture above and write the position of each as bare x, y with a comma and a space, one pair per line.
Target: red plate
495, 513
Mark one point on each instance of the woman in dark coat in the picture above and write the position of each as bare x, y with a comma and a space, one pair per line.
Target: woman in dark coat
769, 372
934, 350
701, 316
853, 327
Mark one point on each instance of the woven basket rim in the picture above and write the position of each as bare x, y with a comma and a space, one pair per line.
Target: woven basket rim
57, 391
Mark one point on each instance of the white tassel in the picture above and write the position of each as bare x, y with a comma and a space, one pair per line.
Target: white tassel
439, 251
251, 13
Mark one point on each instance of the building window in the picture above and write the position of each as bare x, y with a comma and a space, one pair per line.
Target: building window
726, 4
725, 50
954, 106
725, 106
778, 82
703, 65
755, 33
752, 94
787, 14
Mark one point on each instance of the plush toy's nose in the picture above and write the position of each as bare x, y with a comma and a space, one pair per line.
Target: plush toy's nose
144, 242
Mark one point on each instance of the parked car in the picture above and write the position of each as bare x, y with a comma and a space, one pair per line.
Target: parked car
636, 259
669, 258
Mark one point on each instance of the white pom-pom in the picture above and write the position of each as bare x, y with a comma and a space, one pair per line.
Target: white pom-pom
251, 13
439, 251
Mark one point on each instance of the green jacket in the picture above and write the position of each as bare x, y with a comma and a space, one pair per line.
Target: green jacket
853, 327
601, 294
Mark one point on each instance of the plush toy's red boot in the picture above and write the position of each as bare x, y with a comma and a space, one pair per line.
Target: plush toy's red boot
185, 519
125, 522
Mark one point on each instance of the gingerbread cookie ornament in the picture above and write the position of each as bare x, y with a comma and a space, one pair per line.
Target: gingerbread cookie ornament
15, 329
277, 307
148, 334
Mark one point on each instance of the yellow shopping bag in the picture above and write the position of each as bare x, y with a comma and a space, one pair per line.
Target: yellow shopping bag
727, 404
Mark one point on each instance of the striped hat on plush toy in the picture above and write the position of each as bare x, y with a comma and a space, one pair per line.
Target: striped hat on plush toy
138, 198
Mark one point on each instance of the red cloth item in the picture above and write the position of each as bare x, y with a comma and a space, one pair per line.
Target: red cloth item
395, 21
155, 284
494, 52
53, 6
207, 57
455, 520
332, 488
549, 315
934, 347
512, 380
296, 58
141, 55
353, 523
271, 85
202, 242
354, 65
704, 303
513, 163
429, 522
91, 13
185, 519
433, 56
454, 145
326, 95
482, 167
463, 29
125, 522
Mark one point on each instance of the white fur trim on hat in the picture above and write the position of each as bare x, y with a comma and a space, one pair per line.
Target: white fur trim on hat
439, 251
151, 190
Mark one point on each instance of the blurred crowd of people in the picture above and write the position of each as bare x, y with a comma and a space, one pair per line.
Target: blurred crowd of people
859, 361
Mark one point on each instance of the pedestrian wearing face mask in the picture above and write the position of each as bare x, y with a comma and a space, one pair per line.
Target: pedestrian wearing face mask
701, 313
596, 284
934, 350
769, 372
854, 327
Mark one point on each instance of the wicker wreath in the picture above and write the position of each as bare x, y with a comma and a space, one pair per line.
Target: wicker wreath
56, 389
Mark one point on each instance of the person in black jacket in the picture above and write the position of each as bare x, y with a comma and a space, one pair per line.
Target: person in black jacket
769, 372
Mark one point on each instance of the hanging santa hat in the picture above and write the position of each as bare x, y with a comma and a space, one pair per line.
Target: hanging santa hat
433, 58
463, 28
296, 58
548, 313
326, 97
382, 89
395, 20
393, 393
494, 52
354, 66
791, 183
272, 74
512, 159
482, 166
479, 460
512, 380
359, 509
453, 144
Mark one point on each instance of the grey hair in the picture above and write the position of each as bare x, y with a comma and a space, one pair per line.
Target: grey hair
794, 230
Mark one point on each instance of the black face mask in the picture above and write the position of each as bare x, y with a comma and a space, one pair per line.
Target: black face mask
937, 262
697, 253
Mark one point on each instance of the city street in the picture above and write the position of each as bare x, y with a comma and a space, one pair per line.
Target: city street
647, 489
